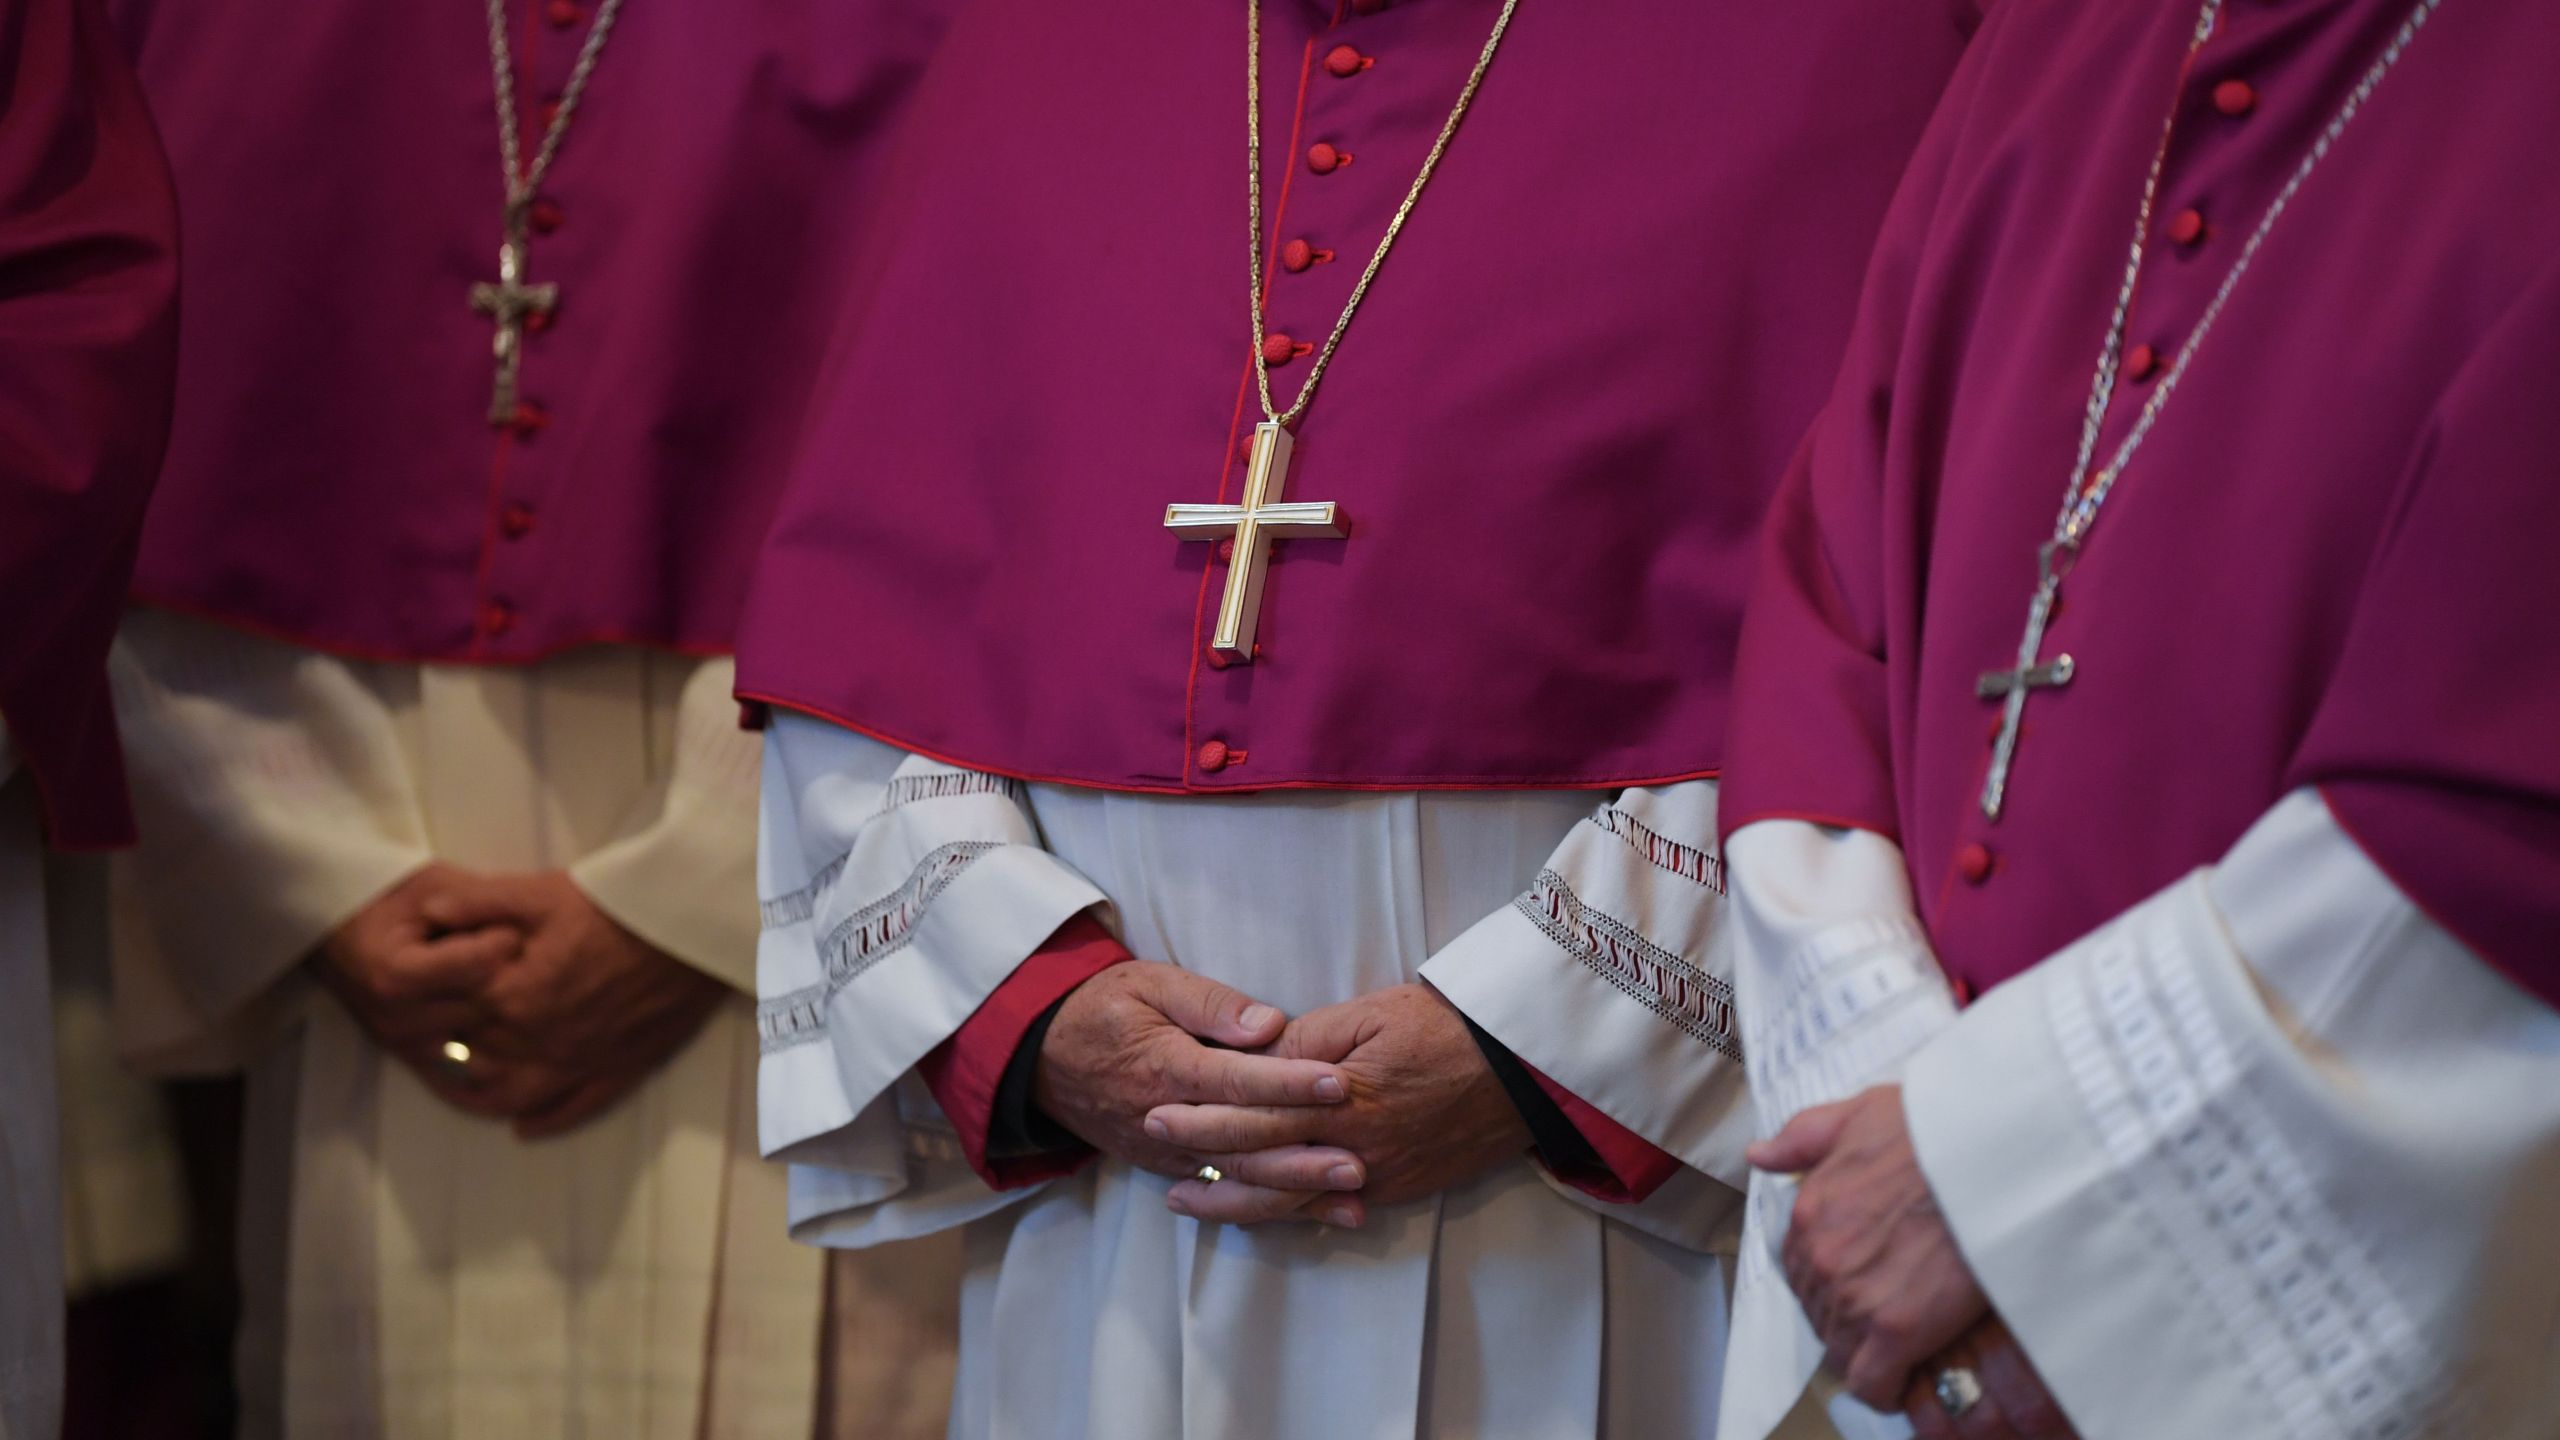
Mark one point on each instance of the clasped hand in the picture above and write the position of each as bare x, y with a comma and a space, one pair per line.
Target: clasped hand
1879, 1274
565, 1011
1381, 1099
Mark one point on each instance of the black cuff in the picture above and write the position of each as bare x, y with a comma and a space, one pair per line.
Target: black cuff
1019, 1127
1559, 1144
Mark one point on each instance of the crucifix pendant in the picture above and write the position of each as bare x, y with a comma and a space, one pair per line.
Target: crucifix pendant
1262, 518
509, 303
2012, 685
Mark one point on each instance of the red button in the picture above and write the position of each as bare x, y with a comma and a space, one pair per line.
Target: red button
2235, 97
1342, 62
1973, 862
565, 13
1297, 255
2140, 363
1278, 349
530, 417
1367, 7
1324, 159
1213, 756
1226, 550
537, 321
2187, 226
1218, 659
497, 617
546, 216
515, 521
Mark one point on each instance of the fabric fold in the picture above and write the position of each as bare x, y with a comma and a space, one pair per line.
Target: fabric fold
1606, 976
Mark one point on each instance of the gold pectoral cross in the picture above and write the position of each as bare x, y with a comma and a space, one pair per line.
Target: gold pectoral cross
2011, 686
1261, 519
509, 303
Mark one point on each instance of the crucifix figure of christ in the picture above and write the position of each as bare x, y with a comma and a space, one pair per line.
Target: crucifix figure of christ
1262, 518
2011, 686
509, 303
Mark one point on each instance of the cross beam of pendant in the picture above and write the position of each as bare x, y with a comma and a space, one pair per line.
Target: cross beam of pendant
2011, 686
1261, 519
509, 303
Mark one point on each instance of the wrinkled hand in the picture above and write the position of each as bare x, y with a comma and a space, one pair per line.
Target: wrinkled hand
1129, 1040
1425, 1112
410, 985
2015, 1404
585, 1013
1867, 1251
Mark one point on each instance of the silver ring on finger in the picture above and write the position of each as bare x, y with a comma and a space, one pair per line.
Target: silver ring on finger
1959, 1390
454, 1058
1208, 1174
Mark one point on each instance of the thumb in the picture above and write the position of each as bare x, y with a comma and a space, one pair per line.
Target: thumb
471, 902
1329, 1034
1802, 1144
1216, 1012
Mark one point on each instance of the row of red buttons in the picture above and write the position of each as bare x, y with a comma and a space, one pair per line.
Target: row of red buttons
516, 518
1975, 862
1296, 257
2188, 229
1341, 62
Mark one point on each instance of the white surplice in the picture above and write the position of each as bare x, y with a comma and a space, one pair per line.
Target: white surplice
415, 1273
901, 892
2268, 1155
30, 1186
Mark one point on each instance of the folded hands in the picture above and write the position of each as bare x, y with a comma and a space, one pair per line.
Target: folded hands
1378, 1100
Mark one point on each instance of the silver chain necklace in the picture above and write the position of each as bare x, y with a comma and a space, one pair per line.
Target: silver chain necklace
2086, 495
508, 301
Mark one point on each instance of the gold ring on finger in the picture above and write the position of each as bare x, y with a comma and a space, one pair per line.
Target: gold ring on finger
455, 1057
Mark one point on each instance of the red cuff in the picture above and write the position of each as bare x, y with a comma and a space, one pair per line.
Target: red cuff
964, 1071
1636, 1167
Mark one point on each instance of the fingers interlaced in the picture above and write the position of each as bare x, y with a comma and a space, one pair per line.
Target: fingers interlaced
1305, 1168
1234, 1129
1228, 1077
472, 902
453, 965
1236, 1202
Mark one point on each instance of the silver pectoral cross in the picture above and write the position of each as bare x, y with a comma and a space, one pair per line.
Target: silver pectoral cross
509, 303
2011, 686
1261, 519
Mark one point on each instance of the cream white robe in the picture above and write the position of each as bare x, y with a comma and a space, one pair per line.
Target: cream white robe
124, 1196
900, 893
2270, 1155
30, 1233
415, 1272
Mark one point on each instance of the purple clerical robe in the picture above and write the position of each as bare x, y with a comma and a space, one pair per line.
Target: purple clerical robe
334, 478
1553, 427
88, 341
2329, 566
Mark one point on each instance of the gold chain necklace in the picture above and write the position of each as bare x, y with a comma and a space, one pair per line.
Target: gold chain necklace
1262, 517
1386, 242
508, 301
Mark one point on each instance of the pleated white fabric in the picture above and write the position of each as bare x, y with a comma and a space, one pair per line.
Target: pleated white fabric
2267, 1155
1510, 1307
415, 1273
